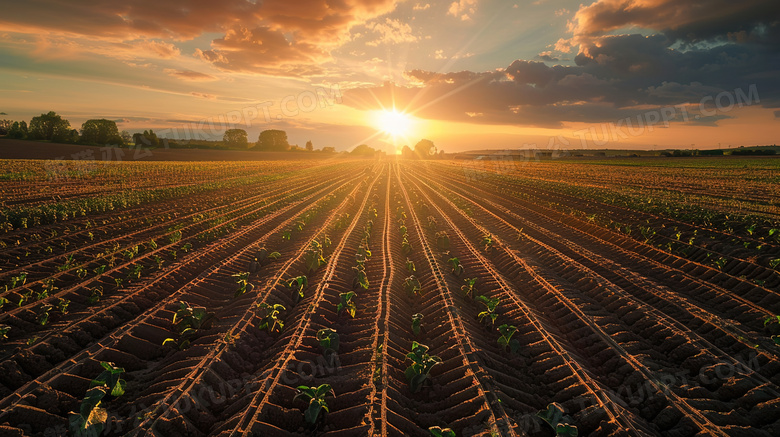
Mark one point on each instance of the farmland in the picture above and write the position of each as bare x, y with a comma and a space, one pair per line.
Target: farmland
489, 297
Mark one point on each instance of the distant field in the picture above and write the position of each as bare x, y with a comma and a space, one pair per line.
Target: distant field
20, 149
632, 292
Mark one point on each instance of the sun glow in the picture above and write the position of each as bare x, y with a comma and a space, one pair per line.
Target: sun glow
393, 123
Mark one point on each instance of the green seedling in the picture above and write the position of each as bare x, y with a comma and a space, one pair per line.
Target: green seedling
442, 240
91, 418
81, 272
94, 295
158, 261
69, 264
406, 247
412, 286
4, 332
441, 432
772, 324
416, 323
360, 280
313, 257
62, 305
3, 302
297, 285
559, 421
43, 314
489, 313
457, 268
410, 266
347, 303
432, 224
506, 341
187, 321
422, 363
468, 287
774, 263
329, 339
242, 281
315, 397
286, 234
270, 321
19, 279
135, 273
186, 248
111, 377
721, 262
363, 254
487, 242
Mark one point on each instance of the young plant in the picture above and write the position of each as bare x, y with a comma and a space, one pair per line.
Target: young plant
94, 295
4, 332
62, 305
363, 254
406, 247
187, 320
297, 285
489, 313
244, 286
416, 323
412, 286
441, 432
410, 266
360, 280
468, 287
19, 279
422, 363
329, 339
91, 418
457, 268
313, 257
271, 320
111, 378
487, 242
347, 303
506, 341
559, 421
3, 302
315, 397
43, 314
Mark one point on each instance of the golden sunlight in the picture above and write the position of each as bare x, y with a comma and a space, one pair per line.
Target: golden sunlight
393, 123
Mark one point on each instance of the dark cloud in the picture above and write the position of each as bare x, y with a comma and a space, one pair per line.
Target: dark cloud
692, 20
623, 76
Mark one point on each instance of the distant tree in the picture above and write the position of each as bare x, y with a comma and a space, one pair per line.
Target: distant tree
73, 136
272, 140
147, 138
5, 126
363, 150
235, 138
50, 127
126, 137
18, 130
309, 146
100, 131
407, 153
425, 149
328, 150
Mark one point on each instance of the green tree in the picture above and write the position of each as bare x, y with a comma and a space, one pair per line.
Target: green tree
363, 150
148, 138
18, 130
309, 146
328, 150
407, 153
272, 140
235, 138
425, 149
100, 131
50, 127
5, 126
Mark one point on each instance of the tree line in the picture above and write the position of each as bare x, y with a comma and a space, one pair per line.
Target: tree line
102, 132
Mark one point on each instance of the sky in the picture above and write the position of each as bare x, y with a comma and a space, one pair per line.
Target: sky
466, 74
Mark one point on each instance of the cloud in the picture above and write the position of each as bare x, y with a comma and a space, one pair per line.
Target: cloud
621, 77
547, 56
421, 7
690, 21
189, 75
267, 37
391, 32
463, 9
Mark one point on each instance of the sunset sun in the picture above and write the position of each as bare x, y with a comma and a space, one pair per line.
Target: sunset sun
393, 123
